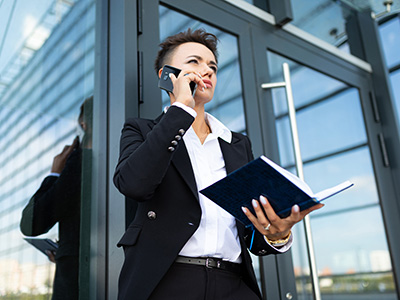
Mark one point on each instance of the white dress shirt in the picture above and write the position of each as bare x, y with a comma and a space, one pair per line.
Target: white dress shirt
217, 234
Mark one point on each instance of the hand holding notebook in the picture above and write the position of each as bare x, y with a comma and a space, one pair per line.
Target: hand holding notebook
263, 177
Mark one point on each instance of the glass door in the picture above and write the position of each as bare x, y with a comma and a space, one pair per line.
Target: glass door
334, 148
331, 96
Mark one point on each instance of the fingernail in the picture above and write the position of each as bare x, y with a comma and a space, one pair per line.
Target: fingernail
202, 89
254, 202
244, 209
296, 208
170, 75
263, 200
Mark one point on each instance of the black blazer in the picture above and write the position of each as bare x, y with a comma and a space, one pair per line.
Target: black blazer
159, 176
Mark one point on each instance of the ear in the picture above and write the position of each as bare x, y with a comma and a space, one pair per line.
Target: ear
159, 72
83, 126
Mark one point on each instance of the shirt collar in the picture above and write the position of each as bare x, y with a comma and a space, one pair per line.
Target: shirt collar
218, 129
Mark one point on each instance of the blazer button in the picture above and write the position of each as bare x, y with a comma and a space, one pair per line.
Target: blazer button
151, 215
171, 149
178, 137
181, 131
174, 143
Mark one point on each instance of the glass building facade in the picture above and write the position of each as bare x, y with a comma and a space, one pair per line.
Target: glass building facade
79, 68
47, 71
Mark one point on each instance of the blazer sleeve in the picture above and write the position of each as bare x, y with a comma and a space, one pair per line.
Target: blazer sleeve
56, 198
145, 152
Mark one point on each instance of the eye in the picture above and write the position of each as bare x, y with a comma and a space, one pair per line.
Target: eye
193, 61
214, 68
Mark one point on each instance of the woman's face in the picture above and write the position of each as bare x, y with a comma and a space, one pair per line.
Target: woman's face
197, 58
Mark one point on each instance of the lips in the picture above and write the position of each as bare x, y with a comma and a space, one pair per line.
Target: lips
208, 83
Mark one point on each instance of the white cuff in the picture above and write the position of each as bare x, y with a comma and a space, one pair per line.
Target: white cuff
285, 247
186, 108
54, 174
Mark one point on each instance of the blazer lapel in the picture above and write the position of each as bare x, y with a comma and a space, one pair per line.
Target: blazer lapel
182, 163
234, 153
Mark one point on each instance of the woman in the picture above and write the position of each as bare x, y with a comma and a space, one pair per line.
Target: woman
181, 245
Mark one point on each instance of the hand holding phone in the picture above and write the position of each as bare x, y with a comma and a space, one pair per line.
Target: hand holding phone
165, 82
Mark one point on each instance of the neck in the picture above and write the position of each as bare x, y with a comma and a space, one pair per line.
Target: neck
200, 125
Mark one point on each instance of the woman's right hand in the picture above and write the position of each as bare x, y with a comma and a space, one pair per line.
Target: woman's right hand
182, 92
60, 159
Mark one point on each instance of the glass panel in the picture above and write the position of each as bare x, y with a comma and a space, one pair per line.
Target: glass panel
395, 81
337, 122
334, 148
332, 113
259, 3
301, 96
46, 73
325, 19
352, 165
359, 270
390, 36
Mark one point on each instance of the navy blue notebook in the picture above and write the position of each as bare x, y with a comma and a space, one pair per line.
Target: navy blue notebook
263, 177
42, 244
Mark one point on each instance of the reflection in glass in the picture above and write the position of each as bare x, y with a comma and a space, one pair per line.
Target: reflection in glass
395, 81
341, 130
390, 36
46, 73
334, 148
352, 165
325, 19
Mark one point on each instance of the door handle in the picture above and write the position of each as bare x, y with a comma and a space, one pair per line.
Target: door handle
299, 169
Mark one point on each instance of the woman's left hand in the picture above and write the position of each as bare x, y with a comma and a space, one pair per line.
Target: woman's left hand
268, 223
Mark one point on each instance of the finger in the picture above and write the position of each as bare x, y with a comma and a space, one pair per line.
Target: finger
195, 77
172, 77
251, 217
269, 211
65, 149
63, 153
295, 214
262, 219
185, 73
313, 208
75, 142
69, 150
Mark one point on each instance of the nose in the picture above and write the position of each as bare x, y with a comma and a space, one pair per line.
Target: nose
206, 71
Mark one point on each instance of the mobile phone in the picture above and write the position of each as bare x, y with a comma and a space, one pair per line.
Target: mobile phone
165, 82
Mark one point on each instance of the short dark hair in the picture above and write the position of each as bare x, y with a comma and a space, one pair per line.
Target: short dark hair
197, 36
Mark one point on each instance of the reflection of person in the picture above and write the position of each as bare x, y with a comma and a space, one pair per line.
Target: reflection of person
180, 244
58, 200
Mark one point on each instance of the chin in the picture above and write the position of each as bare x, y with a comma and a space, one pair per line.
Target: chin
203, 97
202, 100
